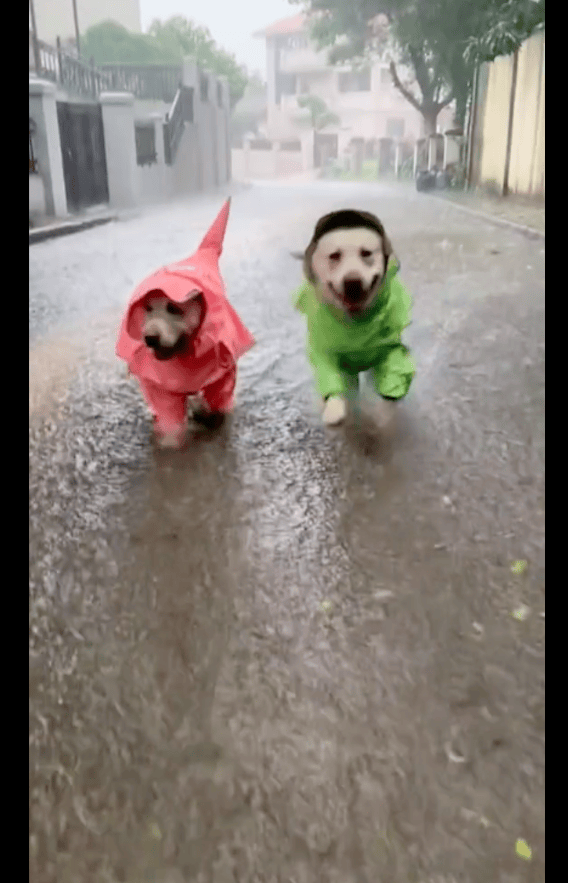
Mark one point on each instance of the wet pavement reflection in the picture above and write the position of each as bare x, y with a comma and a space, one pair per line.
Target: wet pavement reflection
287, 653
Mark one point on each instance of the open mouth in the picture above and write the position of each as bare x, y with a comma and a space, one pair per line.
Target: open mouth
355, 295
163, 353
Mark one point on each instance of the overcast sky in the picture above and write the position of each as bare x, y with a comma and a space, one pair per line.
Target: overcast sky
231, 22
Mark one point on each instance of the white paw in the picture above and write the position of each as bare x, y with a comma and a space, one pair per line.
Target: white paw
335, 410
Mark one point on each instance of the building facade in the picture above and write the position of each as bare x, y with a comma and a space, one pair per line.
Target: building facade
366, 101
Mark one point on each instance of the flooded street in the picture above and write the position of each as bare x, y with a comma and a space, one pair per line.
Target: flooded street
287, 654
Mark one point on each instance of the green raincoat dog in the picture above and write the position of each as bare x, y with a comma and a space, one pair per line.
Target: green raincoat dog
343, 341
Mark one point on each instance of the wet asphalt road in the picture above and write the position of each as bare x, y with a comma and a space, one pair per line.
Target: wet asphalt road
287, 654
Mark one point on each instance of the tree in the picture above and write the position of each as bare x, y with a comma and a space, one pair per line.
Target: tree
319, 114
440, 41
182, 37
508, 23
165, 43
111, 43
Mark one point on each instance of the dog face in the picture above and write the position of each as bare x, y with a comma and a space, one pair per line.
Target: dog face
168, 327
347, 260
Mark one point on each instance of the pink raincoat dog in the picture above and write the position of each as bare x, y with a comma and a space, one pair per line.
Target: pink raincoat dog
207, 366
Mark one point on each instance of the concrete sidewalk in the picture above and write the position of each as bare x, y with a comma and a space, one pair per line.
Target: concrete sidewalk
52, 227
515, 211
48, 228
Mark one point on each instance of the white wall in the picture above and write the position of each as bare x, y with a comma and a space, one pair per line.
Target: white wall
249, 164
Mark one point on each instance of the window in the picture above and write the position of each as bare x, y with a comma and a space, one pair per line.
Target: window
204, 87
260, 144
187, 104
293, 145
395, 129
354, 81
295, 41
145, 144
285, 85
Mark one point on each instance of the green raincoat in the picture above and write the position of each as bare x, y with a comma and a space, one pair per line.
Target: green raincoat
341, 348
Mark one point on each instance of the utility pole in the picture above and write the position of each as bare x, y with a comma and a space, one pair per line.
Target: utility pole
37, 61
76, 17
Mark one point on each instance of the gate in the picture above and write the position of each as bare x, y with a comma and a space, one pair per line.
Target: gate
325, 148
83, 150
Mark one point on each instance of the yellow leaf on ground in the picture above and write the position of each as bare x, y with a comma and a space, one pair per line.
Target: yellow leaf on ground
523, 850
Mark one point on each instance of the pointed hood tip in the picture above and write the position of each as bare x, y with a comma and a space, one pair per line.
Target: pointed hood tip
216, 234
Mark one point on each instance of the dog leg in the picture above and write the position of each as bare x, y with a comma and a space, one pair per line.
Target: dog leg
384, 414
335, 411
171, 439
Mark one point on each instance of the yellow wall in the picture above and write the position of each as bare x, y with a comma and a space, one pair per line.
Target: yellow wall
526, 170
494, 121
526, 173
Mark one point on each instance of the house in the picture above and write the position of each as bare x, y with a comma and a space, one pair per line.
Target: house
365, 100
55, 18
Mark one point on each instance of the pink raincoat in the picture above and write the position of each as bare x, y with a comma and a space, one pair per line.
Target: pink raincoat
209, 365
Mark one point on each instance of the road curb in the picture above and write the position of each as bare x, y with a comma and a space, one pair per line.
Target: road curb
64, 228
531, 232
49, 232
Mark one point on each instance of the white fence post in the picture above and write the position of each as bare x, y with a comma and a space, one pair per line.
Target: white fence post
120, 148
47, 146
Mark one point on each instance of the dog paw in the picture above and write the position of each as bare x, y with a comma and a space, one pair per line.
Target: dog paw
335, 411
171, 440
209, 419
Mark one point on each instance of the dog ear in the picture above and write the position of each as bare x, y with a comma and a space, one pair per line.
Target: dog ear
308, 255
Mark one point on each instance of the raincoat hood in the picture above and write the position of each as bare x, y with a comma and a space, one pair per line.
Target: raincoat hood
221, 330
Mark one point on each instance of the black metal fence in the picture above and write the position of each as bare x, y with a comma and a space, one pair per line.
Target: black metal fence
150, 81
70, 73
145, 135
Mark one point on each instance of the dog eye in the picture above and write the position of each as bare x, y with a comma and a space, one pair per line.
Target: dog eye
365, 253
175, 311
335, 256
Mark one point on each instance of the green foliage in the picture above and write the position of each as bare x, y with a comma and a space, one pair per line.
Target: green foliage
166, 43
319, 114
439, 40
507, 24
111, 43
181, 35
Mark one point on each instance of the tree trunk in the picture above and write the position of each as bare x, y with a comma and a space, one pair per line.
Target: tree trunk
430, 115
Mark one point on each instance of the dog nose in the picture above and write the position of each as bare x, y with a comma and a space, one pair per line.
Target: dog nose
151, 340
